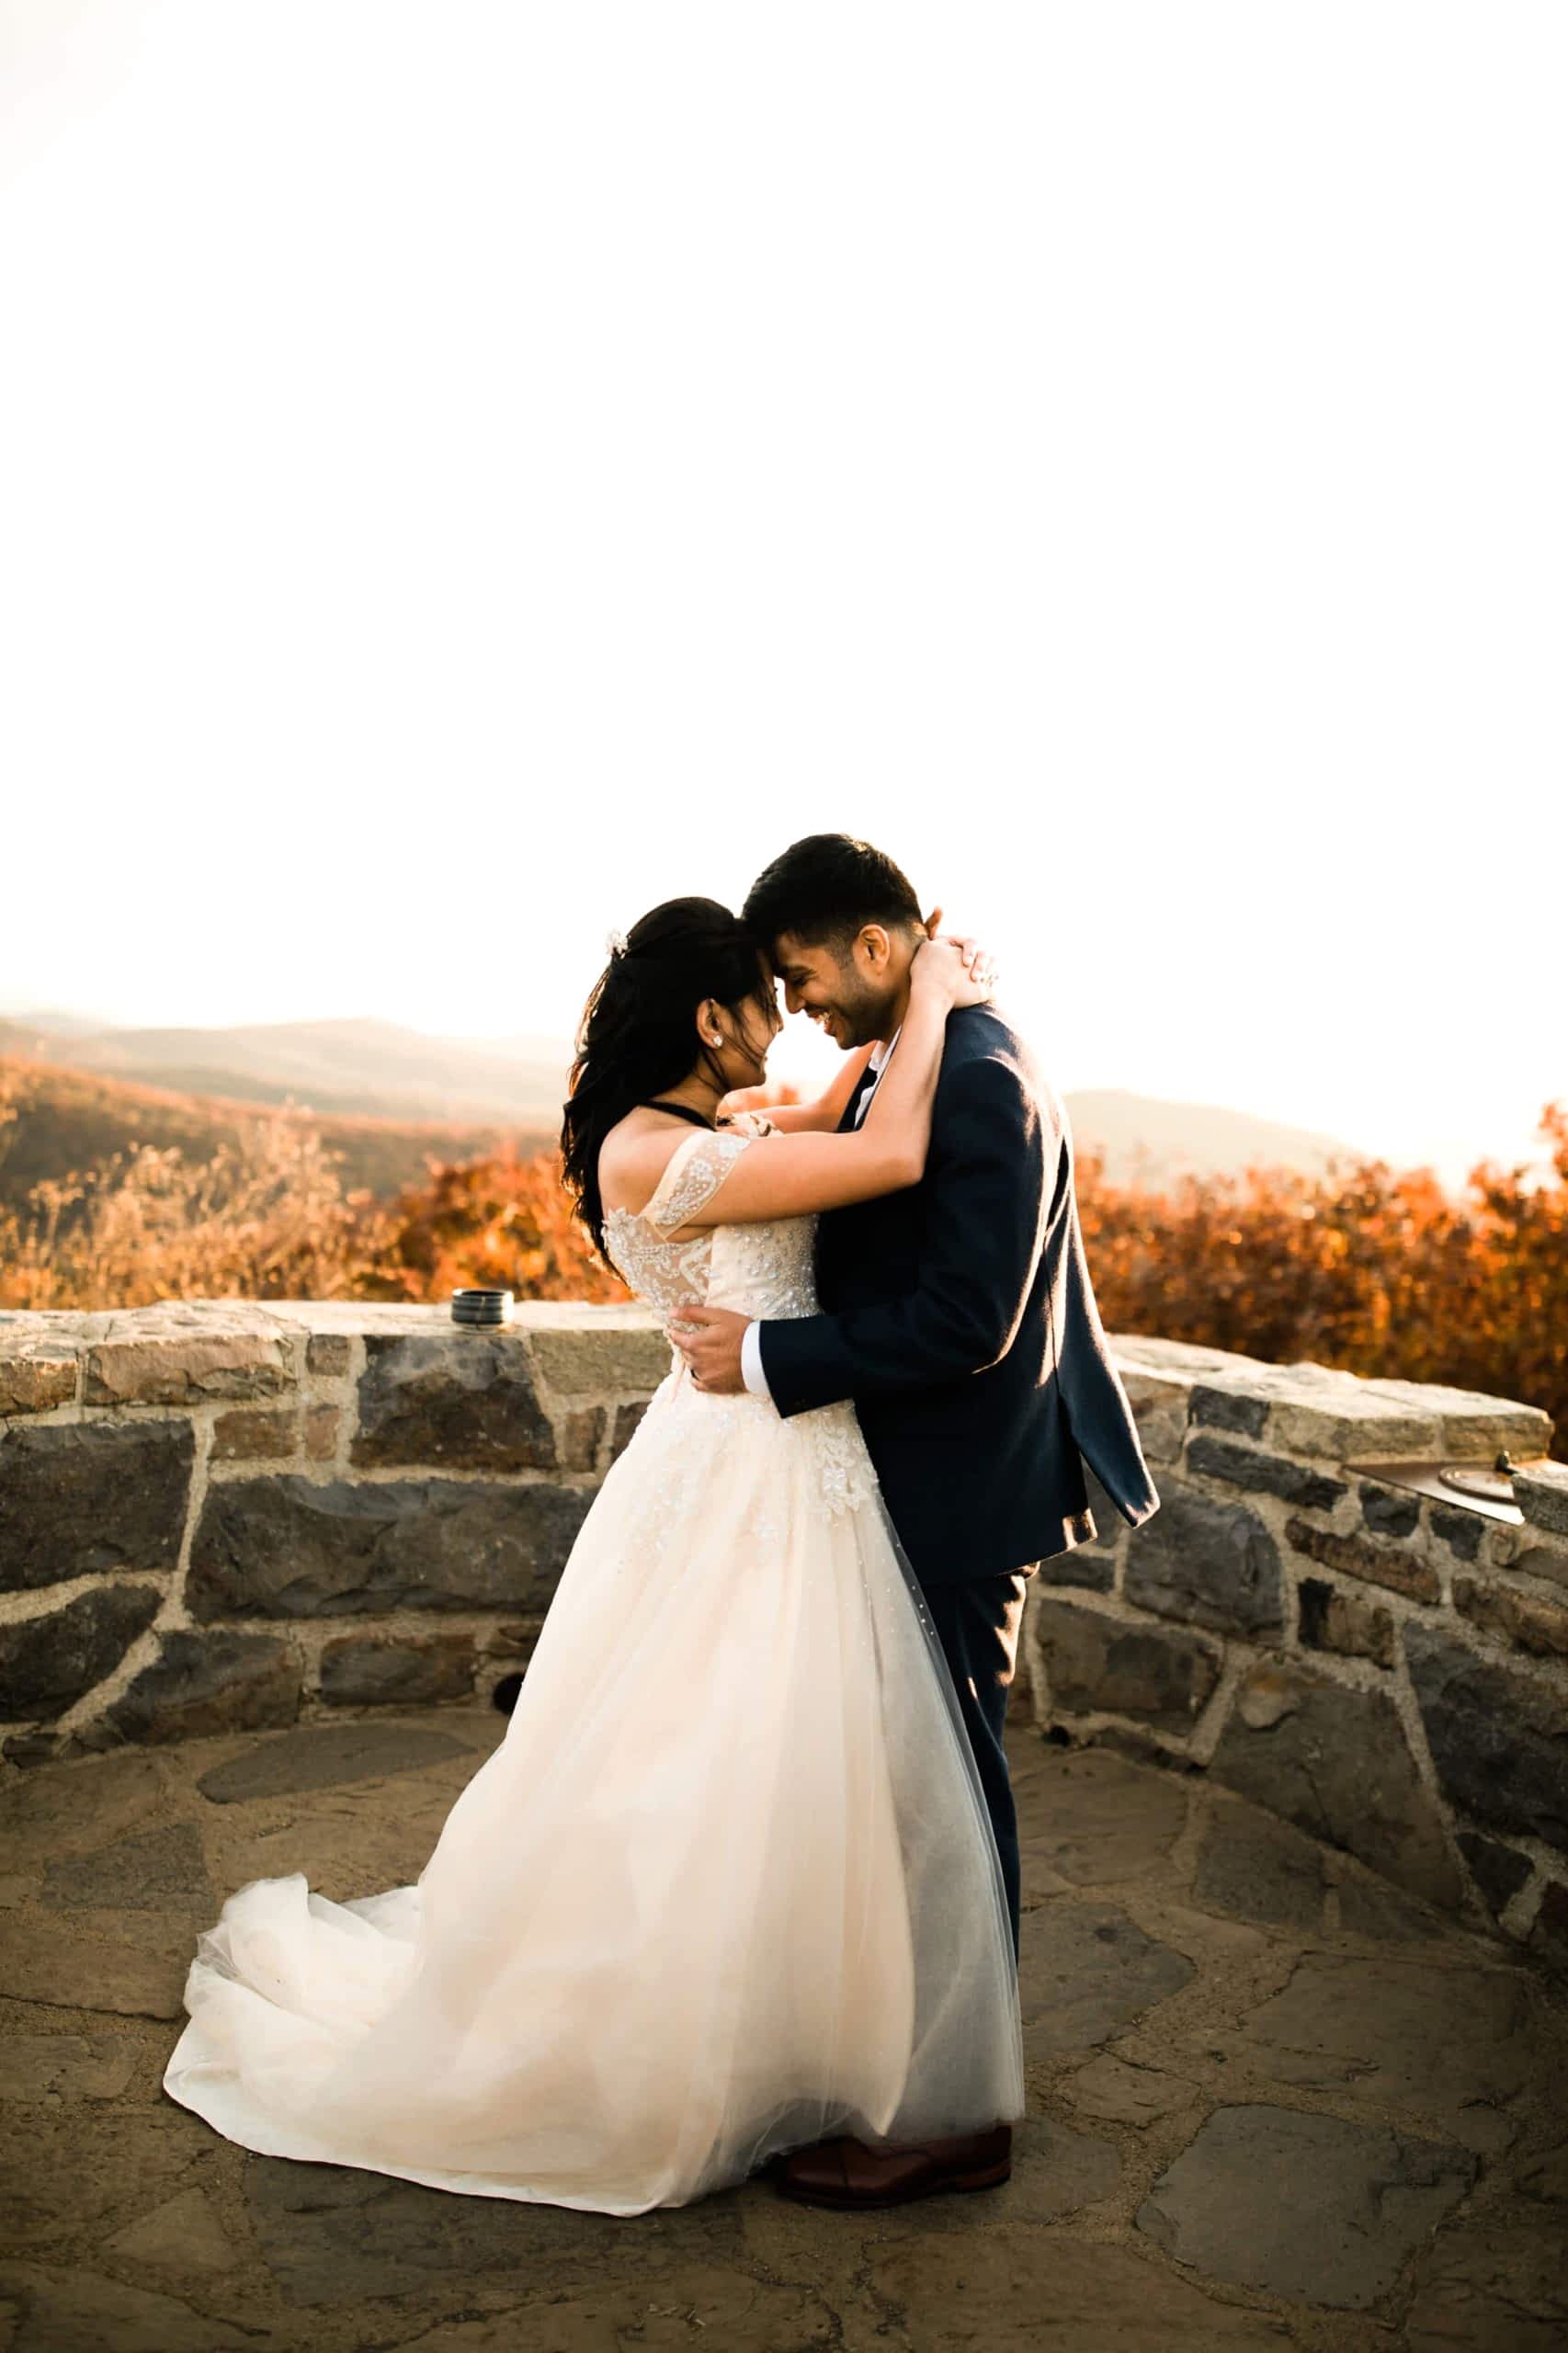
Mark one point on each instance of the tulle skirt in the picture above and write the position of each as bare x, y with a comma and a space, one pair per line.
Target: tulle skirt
726, 1886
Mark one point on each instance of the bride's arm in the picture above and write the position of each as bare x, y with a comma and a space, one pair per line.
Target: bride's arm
805, 1119
785, 1175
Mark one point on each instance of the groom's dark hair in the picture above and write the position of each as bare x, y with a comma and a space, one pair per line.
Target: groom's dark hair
826, 889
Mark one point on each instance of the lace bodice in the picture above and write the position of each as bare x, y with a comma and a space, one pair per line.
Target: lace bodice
764, 1270
760, 1269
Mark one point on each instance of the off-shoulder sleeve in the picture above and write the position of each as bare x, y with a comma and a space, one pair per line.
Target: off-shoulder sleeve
693, 1174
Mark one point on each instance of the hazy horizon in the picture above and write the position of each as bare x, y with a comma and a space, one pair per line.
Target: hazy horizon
800, 1055
471, 478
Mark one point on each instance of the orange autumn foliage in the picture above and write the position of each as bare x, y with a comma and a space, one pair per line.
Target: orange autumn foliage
1370, 1269
502, 1221
266, 1216
1374, 1269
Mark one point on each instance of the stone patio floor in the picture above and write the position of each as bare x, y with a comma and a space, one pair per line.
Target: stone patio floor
1273, 2104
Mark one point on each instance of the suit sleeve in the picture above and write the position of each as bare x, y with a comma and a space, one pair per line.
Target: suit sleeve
989, 1177
1104, 1428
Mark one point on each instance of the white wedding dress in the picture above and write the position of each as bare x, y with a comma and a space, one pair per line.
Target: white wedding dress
727, 1886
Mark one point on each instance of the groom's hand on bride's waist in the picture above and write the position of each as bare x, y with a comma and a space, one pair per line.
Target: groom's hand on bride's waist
710, 1339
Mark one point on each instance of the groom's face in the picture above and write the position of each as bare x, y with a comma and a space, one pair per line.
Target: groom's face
848, 991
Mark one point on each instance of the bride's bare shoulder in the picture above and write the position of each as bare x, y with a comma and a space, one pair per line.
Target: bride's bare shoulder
633, 1156
637, 1150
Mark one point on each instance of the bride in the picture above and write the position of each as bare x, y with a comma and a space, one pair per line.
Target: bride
728, 1886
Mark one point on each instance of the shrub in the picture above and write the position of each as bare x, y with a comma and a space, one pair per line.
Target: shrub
1370, 1269
1367, 1267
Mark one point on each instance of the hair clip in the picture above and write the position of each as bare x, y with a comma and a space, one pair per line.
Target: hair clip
614, 943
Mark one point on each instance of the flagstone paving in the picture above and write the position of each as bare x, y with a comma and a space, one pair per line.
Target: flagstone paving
1273, 2103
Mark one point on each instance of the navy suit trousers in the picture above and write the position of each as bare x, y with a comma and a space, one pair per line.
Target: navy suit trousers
977, 1623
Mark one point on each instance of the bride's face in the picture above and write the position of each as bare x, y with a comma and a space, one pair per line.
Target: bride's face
744, 1056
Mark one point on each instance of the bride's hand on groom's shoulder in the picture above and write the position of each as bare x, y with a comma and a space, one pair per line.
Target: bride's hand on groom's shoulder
960, 968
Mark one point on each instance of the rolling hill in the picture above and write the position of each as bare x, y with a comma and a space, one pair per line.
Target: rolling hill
1146, 1141
356, 1068
387, 1097
74, 1119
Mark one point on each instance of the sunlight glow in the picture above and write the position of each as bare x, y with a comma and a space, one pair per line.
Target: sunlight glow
472, 473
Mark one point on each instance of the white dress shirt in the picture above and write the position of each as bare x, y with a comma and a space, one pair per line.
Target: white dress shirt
751, 1343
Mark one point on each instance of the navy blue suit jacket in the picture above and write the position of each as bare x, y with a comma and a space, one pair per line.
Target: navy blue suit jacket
959, 1316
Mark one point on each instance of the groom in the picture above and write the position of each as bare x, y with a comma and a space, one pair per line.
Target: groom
959, 1317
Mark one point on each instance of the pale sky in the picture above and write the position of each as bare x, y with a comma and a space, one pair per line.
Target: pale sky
473, 471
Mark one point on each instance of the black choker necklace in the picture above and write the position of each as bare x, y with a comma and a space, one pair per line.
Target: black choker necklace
681, 1110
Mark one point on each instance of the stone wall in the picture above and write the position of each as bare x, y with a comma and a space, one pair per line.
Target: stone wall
1319, 1621
219, 1517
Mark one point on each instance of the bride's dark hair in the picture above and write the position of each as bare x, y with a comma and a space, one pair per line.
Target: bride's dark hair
638, 1034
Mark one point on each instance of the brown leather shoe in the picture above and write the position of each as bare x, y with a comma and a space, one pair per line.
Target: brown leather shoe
845, 2172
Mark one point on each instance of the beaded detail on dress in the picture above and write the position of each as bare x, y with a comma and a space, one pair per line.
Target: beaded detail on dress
763, 1269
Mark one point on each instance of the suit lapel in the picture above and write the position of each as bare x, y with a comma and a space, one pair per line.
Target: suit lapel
863, 1087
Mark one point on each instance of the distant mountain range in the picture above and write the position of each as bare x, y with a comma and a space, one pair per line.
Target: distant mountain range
1147, 1141
362, 1069
386, 1096
69, 1121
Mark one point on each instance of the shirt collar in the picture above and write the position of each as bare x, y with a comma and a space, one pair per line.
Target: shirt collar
882, 1048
